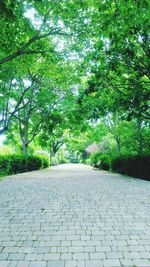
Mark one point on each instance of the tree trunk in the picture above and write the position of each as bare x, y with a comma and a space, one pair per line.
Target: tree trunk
25, 153
118, 143
51, 152
139, 136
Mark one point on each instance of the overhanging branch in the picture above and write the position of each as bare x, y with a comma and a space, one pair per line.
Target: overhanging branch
22, 50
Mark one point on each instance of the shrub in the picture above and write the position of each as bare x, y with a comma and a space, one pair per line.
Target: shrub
136, 166
17, 164
4, 165
97, 156
83, 161
12, 164
88, 161
45, 162
54, 161
105, 163
63, 161
34, 163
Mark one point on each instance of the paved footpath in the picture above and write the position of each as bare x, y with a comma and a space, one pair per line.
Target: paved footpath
72, 216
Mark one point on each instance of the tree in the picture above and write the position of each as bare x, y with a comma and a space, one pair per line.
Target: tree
28, 26
12, 101
51, 136
86, 64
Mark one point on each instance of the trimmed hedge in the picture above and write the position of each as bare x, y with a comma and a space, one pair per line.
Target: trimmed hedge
136, 166
11, 164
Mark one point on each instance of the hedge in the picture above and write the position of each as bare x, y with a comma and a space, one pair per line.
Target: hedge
11, 164
136, 166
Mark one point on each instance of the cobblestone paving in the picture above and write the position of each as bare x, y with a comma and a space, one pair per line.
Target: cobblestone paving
72, 216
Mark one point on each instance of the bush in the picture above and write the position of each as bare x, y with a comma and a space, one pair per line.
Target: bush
105, 163
63, 161
97, 156
54, 161
83, 161
4, 165
17, 164
88, 161
136, 166
45, 162
12, 164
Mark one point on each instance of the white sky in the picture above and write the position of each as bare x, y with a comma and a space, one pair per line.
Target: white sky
2, 139
32, 15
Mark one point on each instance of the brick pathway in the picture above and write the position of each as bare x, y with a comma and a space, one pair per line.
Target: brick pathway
72, 216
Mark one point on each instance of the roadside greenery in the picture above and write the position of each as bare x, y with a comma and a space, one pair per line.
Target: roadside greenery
11, 164
73, 74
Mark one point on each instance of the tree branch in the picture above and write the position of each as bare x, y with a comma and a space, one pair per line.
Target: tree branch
35, 38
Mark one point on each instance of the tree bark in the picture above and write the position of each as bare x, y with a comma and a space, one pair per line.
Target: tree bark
25, 153
139, 136
118, 143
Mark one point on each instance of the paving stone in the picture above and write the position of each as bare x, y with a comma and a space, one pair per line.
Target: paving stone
88, 249
41, 250
77, 249
126, 262
70, 264
23, 264
132, 255
114, 255
66, 256
93, 263
81, 264
103, 248
52, 256
56, 264
38, 264
145, 255
65, 243
3, 256
80, 256
141, 263
16, 256
62, 249
13, 264
72, 216
111, 263
97, 256
31, 257
4, 263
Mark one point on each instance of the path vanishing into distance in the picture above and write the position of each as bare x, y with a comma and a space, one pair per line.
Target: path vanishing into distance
73, 216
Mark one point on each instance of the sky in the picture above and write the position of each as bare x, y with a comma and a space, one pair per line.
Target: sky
2, 139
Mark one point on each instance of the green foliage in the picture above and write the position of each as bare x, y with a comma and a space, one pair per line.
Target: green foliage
44, 162
6, 150
87, 162
54, 161
136, 166
95, 157
75, 72
63, 161
104, 160
73, 158
11, 164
